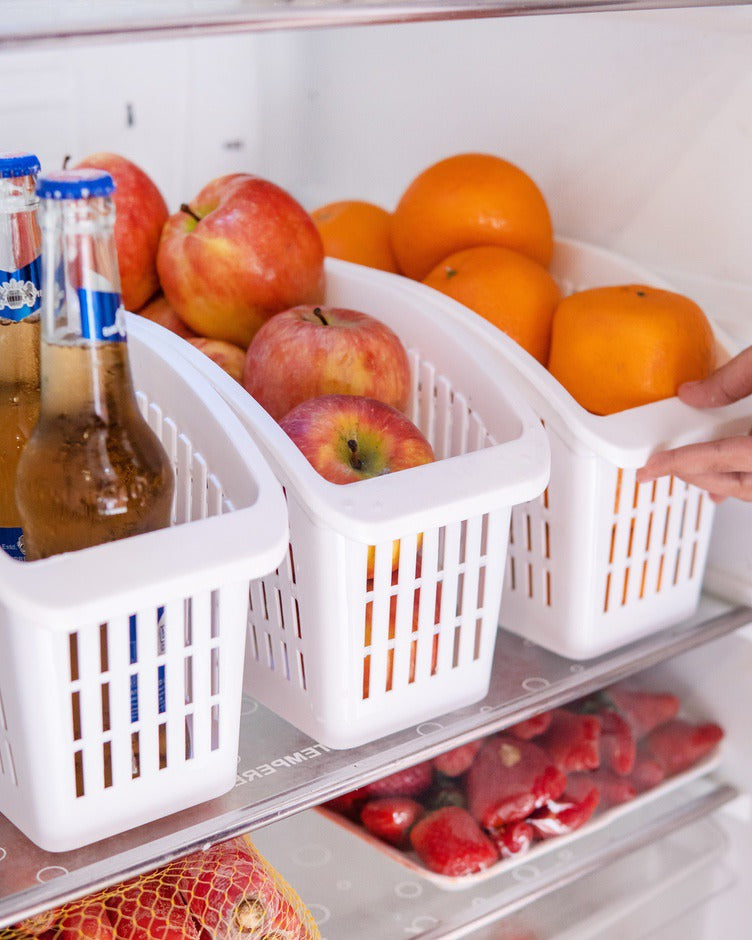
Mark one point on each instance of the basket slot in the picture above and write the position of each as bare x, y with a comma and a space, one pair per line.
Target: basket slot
472, 533
7, 764
173, 641
86, 698
200, 480
150, 645
402, 617
450, 565
183, 480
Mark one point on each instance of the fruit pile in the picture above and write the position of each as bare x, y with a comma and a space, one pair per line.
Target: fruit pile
492, 799
229, 892
477, 228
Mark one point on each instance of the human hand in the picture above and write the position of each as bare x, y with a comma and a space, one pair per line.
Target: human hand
723, 467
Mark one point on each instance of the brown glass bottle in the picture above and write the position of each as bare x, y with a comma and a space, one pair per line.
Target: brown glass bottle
93, 470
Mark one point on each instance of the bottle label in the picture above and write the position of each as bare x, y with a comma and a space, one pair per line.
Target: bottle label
102, 315
11, 542
21, 291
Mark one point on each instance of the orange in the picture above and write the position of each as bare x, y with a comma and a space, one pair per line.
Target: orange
619, 347
466, 200
507, 288
357, 231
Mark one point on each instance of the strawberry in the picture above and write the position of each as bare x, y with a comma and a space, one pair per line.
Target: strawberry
530, 727
150, 907
643, 710
455, 762
567, 815
647, 772
678, 744
408, 782
510, 778
513, 838
348, 804
618, 746
233, 892
572, 740
613, 789
450, 842
390, 818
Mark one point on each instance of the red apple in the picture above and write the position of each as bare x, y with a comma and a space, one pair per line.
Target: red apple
140, 214
349, 437
309, 351
228, 356
159, 311
242, 251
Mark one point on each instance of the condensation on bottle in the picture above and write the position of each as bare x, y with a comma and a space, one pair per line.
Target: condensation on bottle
93, 470
20, 301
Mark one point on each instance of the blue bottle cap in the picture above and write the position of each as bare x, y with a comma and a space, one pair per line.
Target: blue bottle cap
75, 184
18, 163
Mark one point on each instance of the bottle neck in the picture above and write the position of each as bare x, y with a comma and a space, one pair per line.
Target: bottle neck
84, 353
20, 248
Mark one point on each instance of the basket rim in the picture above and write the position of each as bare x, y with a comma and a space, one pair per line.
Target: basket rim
154, 567
626, 438
377, 509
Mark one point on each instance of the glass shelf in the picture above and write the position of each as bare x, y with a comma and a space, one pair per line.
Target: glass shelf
282, 772
50, 22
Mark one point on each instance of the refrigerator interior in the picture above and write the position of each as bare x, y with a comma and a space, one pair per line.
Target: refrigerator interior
636, 126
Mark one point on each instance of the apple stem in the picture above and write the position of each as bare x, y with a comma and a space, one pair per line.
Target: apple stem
184, 207
355, 461
317, 312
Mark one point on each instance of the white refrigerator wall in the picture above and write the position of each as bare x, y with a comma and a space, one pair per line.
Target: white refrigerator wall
636, 126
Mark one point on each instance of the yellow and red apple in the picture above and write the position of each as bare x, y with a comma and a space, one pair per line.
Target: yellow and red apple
159, 311
140, 214
241, 251
227, 356
310, 350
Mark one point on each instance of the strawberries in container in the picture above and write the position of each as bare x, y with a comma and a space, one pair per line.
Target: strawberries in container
492, 800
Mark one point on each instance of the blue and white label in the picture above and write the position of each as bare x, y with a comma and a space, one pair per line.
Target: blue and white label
161, 699
11, 542
21, 291
102, 315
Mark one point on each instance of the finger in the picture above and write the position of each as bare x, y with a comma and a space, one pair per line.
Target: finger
720, 486
723, 456
728, 384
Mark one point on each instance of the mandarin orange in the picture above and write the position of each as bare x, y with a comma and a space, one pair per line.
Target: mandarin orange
358, 231
507, 288
622, 346
466, 200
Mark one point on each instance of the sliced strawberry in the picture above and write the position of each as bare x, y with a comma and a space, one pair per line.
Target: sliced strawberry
150, 907
510, 778
647, 772
572, 740
618, 746
530, 727
558, 818
450, 842
408, 782
391, 818
457, 761
678, 744
643, 710
513, 838
613, 789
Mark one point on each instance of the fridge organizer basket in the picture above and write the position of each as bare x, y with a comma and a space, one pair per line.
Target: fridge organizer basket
348, 659
599, 560
121, 665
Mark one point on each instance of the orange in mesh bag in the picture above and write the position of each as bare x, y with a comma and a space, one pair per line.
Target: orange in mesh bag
229, 892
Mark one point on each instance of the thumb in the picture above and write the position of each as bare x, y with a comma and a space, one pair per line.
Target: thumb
728, 384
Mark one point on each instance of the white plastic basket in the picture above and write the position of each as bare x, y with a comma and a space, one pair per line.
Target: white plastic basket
136, 646
598, 560
324, 652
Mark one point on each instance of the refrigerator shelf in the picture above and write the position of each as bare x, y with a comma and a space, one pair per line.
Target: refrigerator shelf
354, 890
40, 22
282, 772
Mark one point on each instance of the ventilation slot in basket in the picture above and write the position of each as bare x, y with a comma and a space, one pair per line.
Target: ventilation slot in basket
144, 692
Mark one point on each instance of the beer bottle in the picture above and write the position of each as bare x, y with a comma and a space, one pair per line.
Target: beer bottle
20, 298
92, 470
